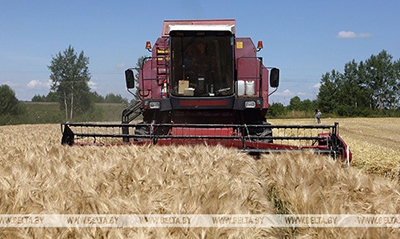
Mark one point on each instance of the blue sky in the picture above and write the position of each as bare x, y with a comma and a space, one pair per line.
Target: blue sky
305, 39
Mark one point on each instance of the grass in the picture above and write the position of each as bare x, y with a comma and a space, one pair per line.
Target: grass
44, 112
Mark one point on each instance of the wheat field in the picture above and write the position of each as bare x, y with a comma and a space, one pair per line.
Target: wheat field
375, 142
40, 176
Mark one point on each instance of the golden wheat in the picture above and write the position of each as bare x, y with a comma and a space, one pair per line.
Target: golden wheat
310, 184
39, 176
374, 142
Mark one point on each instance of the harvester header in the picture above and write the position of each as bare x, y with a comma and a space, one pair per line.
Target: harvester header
202, 84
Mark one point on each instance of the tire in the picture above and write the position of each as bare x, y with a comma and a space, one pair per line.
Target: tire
266, 132
260, 132
142, 130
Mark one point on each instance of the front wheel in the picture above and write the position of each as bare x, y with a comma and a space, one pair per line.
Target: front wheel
259, 132
266, 132
142, 130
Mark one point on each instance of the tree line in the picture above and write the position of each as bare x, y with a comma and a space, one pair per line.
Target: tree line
297, 108
363, 88
69, 77
366, 88
94, 97
9, 105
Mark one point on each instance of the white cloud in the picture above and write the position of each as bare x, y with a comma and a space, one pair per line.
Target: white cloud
33, 83
316, 86
302, 94
38, 84
286, 92
92, 84
351, 34
121, 66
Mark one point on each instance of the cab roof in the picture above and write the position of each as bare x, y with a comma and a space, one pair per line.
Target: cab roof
198, 25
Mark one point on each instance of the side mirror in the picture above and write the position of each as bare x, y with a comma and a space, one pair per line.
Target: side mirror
130, 79
274, 78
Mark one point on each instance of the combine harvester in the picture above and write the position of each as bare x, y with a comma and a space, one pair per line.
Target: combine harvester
204, 85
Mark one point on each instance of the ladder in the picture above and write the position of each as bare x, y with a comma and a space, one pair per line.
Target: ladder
131, 112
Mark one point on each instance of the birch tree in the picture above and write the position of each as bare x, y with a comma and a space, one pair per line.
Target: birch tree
70, 76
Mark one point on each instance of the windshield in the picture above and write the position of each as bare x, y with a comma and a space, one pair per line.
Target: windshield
202, 63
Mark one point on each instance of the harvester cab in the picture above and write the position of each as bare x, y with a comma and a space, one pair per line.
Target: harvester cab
204, 85
200, 72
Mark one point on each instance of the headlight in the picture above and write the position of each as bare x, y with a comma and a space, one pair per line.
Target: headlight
249, 104
154, 105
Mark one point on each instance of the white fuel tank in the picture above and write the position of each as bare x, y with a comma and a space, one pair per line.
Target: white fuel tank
240, 89
250, 88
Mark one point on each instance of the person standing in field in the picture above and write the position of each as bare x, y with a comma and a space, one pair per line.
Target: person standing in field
318, 116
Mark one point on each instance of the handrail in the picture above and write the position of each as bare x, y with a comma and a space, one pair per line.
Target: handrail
151, 58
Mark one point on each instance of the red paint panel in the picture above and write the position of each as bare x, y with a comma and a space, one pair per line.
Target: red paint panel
202, 131
197, 103
265, 86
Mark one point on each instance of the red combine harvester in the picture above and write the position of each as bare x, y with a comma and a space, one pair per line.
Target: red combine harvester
204, 85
